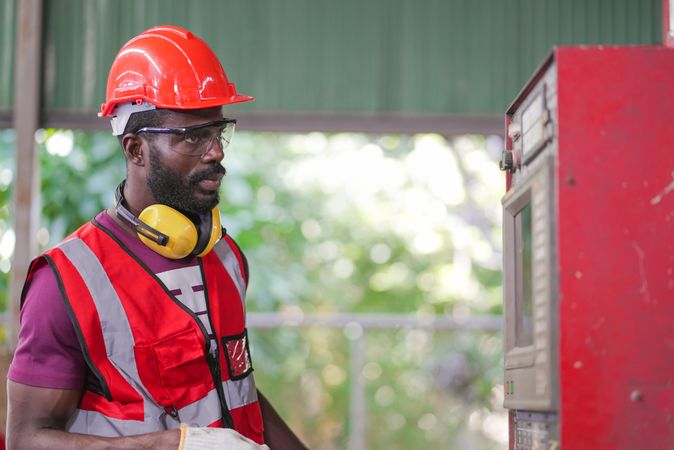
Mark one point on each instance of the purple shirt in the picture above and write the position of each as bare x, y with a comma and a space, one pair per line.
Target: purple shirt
48, 352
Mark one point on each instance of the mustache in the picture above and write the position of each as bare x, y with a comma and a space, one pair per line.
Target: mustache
210, 172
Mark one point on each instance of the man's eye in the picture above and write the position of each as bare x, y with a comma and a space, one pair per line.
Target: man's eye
192, 138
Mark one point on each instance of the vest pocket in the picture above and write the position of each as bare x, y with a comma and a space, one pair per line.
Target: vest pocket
237, 352
175, 369
248, 421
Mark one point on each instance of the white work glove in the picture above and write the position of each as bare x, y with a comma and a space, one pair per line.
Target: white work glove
205, 438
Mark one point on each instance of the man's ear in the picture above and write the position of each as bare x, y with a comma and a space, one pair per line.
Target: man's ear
133, 147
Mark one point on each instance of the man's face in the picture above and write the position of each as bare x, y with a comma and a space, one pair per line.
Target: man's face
187, 183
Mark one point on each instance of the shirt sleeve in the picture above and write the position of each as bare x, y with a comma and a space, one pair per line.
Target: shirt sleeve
48, 353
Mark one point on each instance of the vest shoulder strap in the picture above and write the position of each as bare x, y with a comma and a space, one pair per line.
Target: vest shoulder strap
240, 256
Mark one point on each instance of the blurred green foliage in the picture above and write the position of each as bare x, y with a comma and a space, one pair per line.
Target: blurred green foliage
340, 223
6, 205
79, 173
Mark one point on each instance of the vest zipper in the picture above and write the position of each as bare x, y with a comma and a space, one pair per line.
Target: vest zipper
172, 411
213, 364
214, 359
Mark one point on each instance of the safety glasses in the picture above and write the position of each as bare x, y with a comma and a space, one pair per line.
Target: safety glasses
198, 139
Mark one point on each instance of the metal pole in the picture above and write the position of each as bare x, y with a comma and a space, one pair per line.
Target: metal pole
357, 393
27, 100
667, 23
372, 321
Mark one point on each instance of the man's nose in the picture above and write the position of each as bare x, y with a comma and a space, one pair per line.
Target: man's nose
214, 150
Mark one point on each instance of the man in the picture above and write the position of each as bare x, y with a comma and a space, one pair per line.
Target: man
132, 329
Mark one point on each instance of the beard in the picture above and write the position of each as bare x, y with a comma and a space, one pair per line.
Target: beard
169, 188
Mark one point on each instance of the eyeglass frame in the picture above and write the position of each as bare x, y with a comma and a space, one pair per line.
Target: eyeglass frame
185, 130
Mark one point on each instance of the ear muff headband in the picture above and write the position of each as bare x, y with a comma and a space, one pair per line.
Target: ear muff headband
204, 233
169, 232
141, 228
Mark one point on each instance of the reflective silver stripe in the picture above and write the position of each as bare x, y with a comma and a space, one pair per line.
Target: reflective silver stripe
98, 424
240, 392
117, 333
231, 265
203, 412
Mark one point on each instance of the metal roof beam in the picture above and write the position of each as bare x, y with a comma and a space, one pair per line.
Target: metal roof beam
448, 125
27, 101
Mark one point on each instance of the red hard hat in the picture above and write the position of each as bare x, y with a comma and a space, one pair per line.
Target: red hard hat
168, 67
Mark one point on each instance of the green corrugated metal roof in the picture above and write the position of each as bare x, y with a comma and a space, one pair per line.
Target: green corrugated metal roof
374, 56
7, 36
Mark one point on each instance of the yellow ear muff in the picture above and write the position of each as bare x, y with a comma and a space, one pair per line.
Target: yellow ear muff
215, 232
181, 232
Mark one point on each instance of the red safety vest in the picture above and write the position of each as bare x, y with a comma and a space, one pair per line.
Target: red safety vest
148, 351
